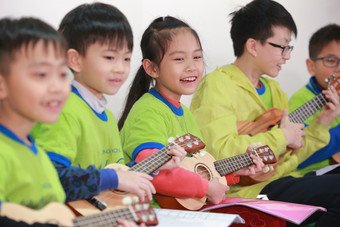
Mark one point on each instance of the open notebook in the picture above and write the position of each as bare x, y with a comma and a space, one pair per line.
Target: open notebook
184, 218
292, 212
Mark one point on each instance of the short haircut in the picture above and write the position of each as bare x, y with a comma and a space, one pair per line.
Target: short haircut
256, 20
97, 22
322, 38
18, 33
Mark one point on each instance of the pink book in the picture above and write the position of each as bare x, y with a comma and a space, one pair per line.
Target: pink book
292, 212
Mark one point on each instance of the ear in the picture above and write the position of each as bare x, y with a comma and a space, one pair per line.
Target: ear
3, 90
310, 66
251, 47
150, 68
74, 60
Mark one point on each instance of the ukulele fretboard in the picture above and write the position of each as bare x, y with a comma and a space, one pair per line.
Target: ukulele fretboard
104, 218
308, 109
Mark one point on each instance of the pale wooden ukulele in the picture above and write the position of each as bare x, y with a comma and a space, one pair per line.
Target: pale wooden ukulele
113, 198
205, 165
59, 214
273, 116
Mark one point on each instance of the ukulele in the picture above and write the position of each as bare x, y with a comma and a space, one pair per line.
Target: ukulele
59, 214
273, 116
113, 198
205, 165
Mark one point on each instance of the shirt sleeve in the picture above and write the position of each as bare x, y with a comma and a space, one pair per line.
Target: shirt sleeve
232, 179
85, 183
177, 182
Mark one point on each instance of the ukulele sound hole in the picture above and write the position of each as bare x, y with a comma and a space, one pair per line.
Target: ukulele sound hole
203, 171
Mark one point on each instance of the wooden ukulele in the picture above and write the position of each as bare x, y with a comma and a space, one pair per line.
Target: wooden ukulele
59, 214
113, 198
205, 165
273, 116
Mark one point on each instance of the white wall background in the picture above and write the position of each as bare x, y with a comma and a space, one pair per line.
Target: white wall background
209, 18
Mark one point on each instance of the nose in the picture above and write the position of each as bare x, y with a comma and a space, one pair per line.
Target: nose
191, 66
286, 55
120, 66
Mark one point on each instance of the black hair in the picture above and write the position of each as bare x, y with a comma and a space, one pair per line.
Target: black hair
96, 22
18, 33
256, 20
154, 44
323, 37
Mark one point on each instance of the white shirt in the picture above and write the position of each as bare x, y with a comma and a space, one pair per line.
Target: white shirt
96, 104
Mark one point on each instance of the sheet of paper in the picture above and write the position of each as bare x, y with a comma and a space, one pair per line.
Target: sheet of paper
184, 218
326, 169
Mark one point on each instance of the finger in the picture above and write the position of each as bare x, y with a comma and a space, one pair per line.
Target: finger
284, 120
143, 176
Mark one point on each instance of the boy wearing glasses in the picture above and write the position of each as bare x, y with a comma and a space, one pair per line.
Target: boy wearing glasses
261, 32
323, 61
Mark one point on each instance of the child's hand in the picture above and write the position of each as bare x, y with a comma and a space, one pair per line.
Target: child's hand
293, 132
332, 107
216, 191
251, 170
178, 153
138, 183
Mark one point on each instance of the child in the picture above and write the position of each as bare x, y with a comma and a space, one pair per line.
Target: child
323, 61
261, 32
100, 45
33, 87
173, 58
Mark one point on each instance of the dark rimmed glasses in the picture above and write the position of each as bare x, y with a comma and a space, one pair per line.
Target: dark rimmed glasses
285, 49
329, 61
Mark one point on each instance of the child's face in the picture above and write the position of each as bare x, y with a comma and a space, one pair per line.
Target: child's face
37, 86
270, 58
318, 69
182, 66
104, 68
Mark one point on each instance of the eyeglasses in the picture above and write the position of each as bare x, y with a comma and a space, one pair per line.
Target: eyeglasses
285, 49
329, 61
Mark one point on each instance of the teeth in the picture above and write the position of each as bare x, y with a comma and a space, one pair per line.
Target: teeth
53, 103
189, 79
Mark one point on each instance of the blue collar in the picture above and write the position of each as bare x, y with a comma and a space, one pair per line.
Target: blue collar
101, 116
313, 86
14, 137
174, 109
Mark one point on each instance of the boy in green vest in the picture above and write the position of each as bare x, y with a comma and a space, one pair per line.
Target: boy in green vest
323, 61
33, 88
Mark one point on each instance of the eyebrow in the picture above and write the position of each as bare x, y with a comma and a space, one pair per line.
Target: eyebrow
44, 63
183, 52
116, 51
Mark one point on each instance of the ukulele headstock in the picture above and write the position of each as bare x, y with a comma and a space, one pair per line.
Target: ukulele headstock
266, 154
142, 212
334, 80
189, 142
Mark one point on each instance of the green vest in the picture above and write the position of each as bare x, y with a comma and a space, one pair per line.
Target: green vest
27, 178
81, 136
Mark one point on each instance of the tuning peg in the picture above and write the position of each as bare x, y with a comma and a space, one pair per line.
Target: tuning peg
266, 169
146, 206
127, 200
171, 140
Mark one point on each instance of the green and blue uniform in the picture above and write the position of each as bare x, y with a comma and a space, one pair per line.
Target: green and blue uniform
82, 138
320, 158
27, 176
